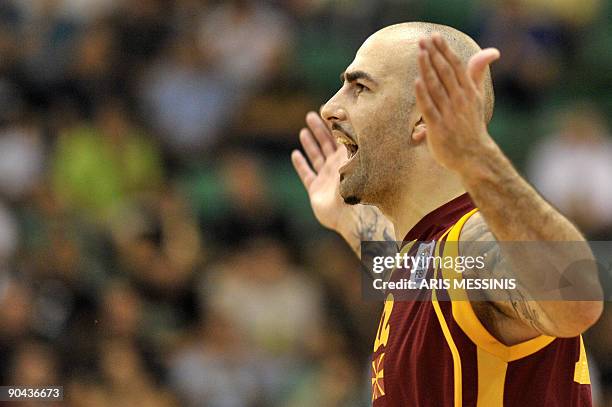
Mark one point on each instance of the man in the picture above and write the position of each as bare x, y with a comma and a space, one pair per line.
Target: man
412, 114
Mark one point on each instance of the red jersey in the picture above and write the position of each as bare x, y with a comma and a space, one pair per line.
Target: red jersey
437, 353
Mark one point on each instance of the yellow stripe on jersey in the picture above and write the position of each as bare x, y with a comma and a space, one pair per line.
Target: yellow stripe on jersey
491, 379
449, 338
581, 371
464, 315
467, 320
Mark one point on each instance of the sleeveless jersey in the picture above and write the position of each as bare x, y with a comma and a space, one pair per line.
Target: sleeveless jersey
435, 353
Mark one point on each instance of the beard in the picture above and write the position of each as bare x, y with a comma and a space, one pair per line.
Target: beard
379, 161
349, 192
372, 180
353, 185
352, 200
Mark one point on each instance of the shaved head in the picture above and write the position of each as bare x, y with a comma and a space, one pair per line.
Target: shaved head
403, 38
376, 115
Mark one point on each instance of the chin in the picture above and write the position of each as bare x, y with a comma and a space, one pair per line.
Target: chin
350, 192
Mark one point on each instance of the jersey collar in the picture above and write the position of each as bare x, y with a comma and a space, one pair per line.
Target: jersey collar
440, 219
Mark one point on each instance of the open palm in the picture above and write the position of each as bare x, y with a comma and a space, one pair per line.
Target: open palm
320, 177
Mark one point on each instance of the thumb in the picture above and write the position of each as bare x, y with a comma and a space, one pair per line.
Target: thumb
478, 64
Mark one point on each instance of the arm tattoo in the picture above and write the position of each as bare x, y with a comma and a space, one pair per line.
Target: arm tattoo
478, 240
372, 226
524, 309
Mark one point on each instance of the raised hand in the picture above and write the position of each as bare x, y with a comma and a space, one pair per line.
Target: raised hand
321, 178
355, 223
451, 98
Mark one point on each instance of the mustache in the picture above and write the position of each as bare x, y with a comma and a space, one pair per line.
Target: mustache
338, 127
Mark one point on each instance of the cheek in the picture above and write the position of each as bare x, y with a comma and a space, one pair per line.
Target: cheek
384, 128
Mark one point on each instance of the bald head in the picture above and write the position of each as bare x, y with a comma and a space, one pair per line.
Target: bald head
399, 45
375, 113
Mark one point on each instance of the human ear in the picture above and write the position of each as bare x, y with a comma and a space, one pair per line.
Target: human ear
419, 131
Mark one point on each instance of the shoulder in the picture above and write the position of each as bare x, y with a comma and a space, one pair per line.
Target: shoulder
501, 318
475, 228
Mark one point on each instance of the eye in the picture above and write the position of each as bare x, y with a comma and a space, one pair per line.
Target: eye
360, 88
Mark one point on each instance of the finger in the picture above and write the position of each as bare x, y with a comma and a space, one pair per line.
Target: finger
444, 70
425, 104
453, 59
313, 151
478, 64
302, 168
321, 132
431, 81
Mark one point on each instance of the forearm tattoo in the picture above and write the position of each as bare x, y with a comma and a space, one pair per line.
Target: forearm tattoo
372, 226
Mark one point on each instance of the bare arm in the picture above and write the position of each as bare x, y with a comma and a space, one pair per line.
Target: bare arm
534, 307
367, 224
450, 97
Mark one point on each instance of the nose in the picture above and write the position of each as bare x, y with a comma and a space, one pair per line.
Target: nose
333, 111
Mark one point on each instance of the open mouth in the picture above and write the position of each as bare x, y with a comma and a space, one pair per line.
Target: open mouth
351, 146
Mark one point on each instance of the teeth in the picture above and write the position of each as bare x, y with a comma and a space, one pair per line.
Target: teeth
351, 147
343, 139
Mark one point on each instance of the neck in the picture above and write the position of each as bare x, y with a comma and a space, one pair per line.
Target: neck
414, 200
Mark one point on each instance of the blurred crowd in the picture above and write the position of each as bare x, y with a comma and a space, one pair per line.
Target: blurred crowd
156, 248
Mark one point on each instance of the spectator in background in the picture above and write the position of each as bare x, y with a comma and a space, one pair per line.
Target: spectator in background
248, 209
62, 269
572, 169
217, 365
158, 242
143, 27
98, 167
187, 102
92, 76
334, 382
278, 313
48, 38
530, 43
22, 159
206, 71
339, 273
340, 25
158, 247
126, 379
244, 40
121, 313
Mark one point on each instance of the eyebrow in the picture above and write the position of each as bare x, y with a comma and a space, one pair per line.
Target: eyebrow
354, 75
